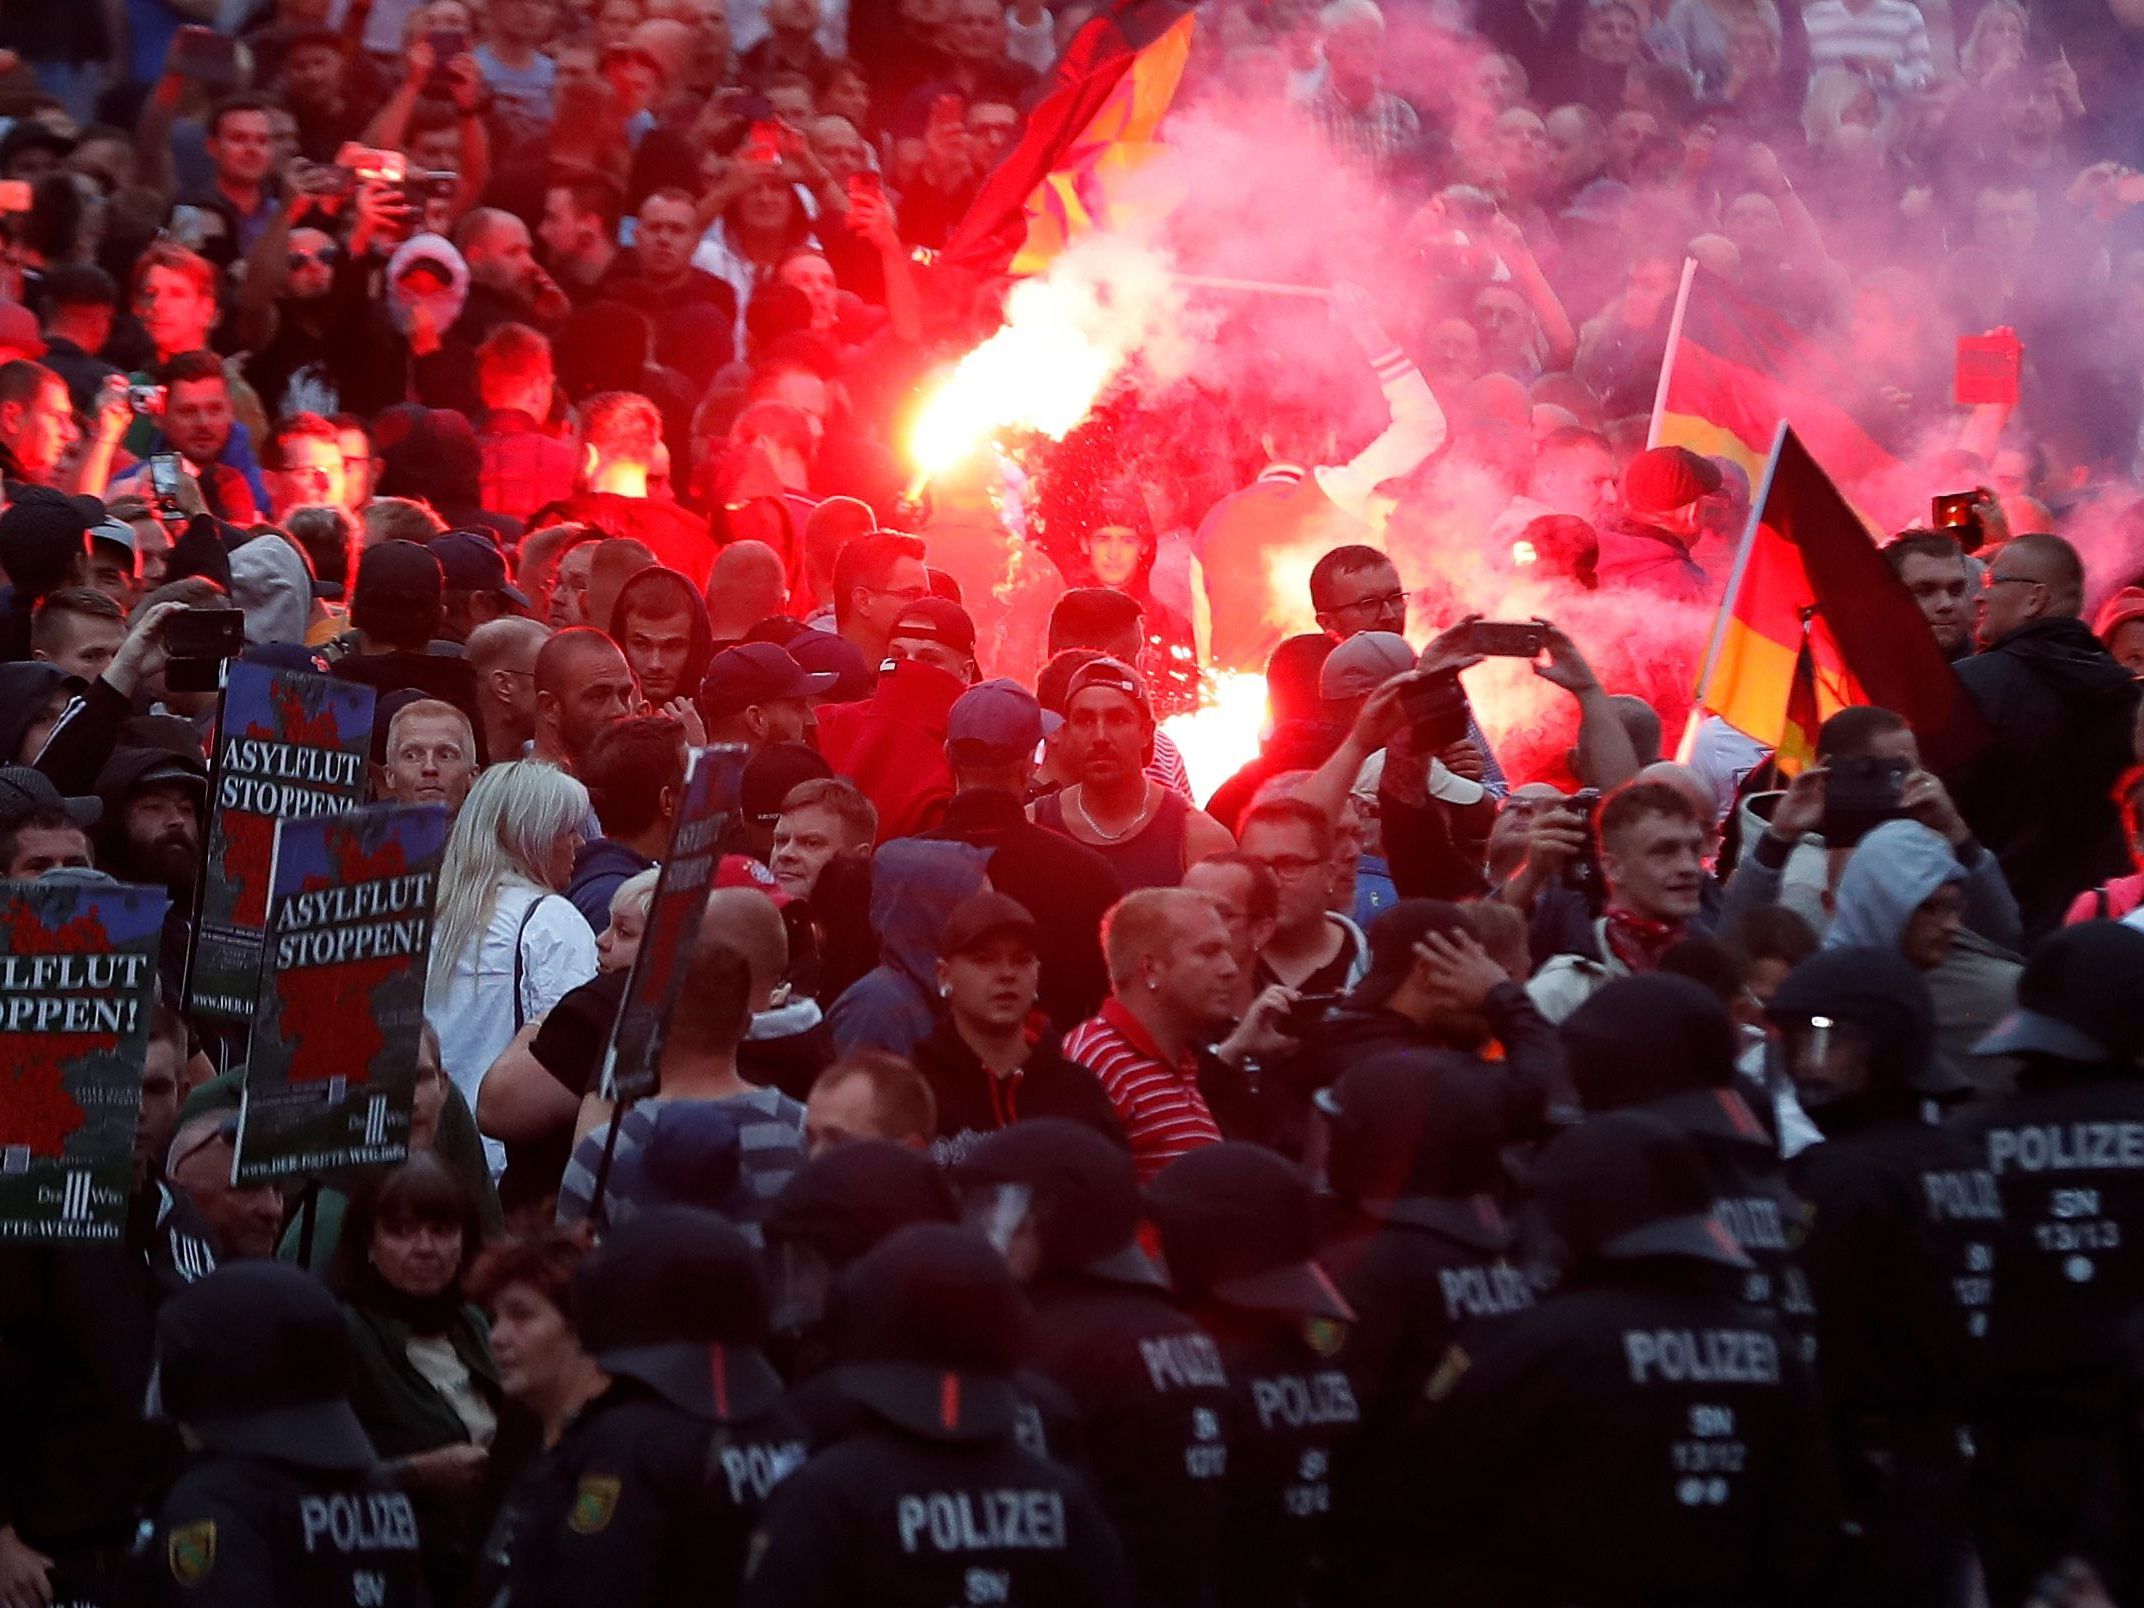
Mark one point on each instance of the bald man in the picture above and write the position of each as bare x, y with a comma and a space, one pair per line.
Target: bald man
506, 286
2061, 710
247, 1218
583, 684
502, 654
748, 585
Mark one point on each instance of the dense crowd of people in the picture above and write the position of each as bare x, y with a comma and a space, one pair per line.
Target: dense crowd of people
1462, 1156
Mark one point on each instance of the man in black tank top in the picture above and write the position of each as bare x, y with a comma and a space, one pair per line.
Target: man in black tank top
1149, 835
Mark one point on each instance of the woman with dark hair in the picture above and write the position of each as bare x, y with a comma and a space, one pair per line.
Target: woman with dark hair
760, 221
425, 1385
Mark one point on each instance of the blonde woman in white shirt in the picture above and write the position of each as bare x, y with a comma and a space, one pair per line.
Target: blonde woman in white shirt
505, 944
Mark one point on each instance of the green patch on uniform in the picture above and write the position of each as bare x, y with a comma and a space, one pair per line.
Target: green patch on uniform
1325, 1336
593, 1505
1449, 1372
191, 1552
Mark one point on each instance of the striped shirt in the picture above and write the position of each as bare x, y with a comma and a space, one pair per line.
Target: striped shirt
1163, 1113
1892, 32
1167, 767
770, 1140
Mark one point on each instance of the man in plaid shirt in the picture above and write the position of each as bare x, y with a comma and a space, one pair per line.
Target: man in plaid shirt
1360, 117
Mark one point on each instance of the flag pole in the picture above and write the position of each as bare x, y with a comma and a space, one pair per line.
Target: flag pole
1741, 569
1667, 360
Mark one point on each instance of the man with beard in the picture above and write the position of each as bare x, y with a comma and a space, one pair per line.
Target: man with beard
1934, 569
583, 685
150, 832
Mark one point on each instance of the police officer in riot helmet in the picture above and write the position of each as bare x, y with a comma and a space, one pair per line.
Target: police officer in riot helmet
1417, 1243
833, 1209
651, 1493
1238, 1234
1665, 1044
1901, 1260
2059, 1444
1640, 1436
1062, 1202
282, 1501
928, 1498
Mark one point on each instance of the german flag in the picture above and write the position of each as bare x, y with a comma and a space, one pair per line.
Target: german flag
1735, 371
1814, 620
1094, 123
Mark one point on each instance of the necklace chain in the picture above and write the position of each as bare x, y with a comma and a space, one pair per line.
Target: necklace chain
1079, 803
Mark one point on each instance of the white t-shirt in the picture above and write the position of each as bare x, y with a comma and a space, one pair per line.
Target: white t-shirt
474, 1014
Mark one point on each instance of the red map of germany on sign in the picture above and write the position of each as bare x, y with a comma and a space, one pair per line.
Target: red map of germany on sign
35, 1107
337, 1000
250, 839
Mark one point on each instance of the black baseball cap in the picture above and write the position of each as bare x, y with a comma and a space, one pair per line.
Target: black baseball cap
256, 1360
755, 673
1236, 1224
930, 1328
985, 915
2080, 998
398, 571
937, 619
1628, 1185
1114, 674
771, 773
674, 1298
24, 788
42, 533
1393, 936
470, 561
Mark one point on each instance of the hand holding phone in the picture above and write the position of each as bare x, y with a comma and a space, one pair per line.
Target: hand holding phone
1506, 639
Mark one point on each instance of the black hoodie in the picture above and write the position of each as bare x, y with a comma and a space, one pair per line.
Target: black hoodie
635, 592
2062, 714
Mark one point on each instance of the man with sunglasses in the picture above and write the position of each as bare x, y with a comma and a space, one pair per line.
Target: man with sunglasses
2061, 712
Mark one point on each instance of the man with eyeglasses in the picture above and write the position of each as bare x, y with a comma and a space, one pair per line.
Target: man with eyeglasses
876, 578
1312, 950
2061, 712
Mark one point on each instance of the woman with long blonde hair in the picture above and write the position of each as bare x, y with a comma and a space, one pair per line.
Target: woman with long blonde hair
505, 944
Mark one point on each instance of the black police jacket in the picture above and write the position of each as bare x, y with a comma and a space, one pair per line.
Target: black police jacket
1415, 1273
1291, 1408
638, 1504
77, 1333
1153, 1405
242, 1532
1640, 1437
1901, 1256
891, 1519
1768, 1220
2067, 1153
1045, 1421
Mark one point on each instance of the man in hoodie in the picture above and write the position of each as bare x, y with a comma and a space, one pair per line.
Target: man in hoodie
660, 624
893, 747
1905, 891
2059, 1441
2062, 713
915, 887
1901, 1257
154, 801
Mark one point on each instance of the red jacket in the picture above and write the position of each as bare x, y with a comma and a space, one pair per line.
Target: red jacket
893, 746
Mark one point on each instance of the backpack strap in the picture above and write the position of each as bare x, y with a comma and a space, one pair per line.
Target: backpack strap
521, 932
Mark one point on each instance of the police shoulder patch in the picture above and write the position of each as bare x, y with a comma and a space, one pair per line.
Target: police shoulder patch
1325, 1336
190, 1550
593, 1504
1449, 1372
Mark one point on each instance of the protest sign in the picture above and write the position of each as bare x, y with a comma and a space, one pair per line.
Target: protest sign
331, 1074
688, 871
77, 986
292, 745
